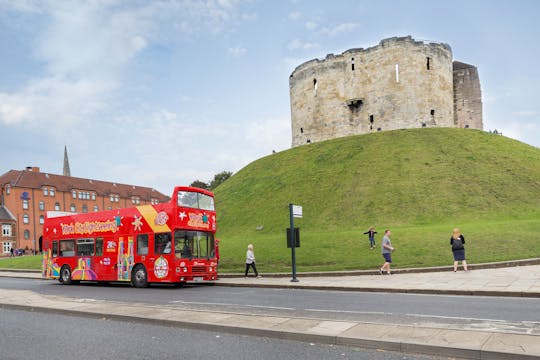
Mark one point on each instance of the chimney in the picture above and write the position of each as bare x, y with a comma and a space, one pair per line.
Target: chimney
32, 168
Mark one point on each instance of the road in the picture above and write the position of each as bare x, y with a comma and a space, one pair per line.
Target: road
517, 315
24, 335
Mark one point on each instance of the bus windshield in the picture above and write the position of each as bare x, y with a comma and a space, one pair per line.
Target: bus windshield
193, 244
195, 200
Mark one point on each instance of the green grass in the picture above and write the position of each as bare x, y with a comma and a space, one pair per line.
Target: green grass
22, 262
420, 183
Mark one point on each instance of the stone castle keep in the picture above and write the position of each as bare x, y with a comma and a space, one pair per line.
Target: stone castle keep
399, 84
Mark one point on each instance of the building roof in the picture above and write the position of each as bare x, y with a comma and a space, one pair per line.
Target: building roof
5, 214
34, 179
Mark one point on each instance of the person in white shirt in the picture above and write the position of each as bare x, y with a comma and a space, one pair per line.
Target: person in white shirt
250, 261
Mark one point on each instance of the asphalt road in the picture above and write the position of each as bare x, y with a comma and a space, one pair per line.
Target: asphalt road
462, 312
29, 335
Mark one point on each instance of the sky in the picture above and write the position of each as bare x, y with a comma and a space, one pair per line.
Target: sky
163, 93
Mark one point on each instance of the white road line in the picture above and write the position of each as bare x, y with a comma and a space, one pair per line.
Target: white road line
465, 318
229, 304
350, 312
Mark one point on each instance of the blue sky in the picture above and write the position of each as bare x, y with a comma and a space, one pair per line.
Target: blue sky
162, 93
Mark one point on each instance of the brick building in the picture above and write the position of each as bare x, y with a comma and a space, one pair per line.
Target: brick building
26, 196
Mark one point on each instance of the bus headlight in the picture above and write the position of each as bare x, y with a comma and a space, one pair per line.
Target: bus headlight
185, 269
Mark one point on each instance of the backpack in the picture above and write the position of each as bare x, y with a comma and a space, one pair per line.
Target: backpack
457, 244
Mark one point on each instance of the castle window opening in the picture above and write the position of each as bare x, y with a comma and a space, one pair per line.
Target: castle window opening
379, 129
308, 141
315, 87
301, 130
352, 64
428, 63
355, 104
424, 125
371, 119
397, 73
432, 112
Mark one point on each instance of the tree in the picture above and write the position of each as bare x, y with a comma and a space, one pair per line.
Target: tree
200, 184
220, 179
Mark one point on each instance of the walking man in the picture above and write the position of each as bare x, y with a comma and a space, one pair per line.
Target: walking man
386, 250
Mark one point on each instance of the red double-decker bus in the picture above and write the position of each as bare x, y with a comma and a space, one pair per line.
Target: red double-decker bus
169, 242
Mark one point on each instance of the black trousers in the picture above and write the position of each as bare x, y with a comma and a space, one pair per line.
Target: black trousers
254, 268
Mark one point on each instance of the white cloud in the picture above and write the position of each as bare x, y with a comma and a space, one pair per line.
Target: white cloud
311, 25
11, 111
339, 29
237, 51
526, 113
296, 44
270, 134
295, 15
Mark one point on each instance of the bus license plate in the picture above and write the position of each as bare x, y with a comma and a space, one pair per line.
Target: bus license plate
198, 278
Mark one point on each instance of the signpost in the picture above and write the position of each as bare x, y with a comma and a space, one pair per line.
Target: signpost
294, 211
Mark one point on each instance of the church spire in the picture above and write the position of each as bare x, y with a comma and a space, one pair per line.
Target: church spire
67, 172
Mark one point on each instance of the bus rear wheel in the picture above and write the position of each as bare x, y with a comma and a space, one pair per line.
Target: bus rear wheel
65, 275
139, 277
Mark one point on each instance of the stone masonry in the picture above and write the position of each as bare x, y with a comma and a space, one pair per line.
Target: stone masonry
400, 83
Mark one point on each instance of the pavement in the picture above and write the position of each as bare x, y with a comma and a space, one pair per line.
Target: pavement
425, 338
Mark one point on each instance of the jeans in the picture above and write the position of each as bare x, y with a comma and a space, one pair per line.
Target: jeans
254, 268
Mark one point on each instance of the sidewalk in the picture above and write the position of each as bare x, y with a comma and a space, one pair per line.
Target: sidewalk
518, 281
470, 344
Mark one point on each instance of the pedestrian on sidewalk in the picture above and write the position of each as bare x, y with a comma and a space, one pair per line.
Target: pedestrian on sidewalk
371, 235
250, 261
12, 252
457, 240
386, 250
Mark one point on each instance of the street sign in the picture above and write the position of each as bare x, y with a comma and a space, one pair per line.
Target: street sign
297, 211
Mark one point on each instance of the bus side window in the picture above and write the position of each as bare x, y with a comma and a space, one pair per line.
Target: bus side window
162, 243
54, 248
85, 247
99, 246
67, 248
142, 244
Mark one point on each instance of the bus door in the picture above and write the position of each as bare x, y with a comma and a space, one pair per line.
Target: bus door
162, 266
106, 257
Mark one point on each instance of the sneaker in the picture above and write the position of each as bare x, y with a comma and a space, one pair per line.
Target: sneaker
380, 271
389, 273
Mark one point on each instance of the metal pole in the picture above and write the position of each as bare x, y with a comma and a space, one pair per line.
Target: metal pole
293, 245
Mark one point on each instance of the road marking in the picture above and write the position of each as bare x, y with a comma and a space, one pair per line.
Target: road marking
350, 312
229, 304
474, 319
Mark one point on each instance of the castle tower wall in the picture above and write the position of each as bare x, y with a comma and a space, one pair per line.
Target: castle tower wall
467, 97
400, 83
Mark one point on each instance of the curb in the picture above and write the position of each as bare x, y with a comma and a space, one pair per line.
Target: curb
390, 290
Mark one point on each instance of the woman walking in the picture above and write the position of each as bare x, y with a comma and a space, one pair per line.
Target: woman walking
458, 249
250, 260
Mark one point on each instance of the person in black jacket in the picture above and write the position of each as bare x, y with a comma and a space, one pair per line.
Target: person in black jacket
457, 240
371, 234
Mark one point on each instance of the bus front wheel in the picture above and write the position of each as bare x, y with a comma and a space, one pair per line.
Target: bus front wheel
65, 275
139, 277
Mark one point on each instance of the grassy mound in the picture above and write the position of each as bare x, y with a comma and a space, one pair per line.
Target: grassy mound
420, 183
